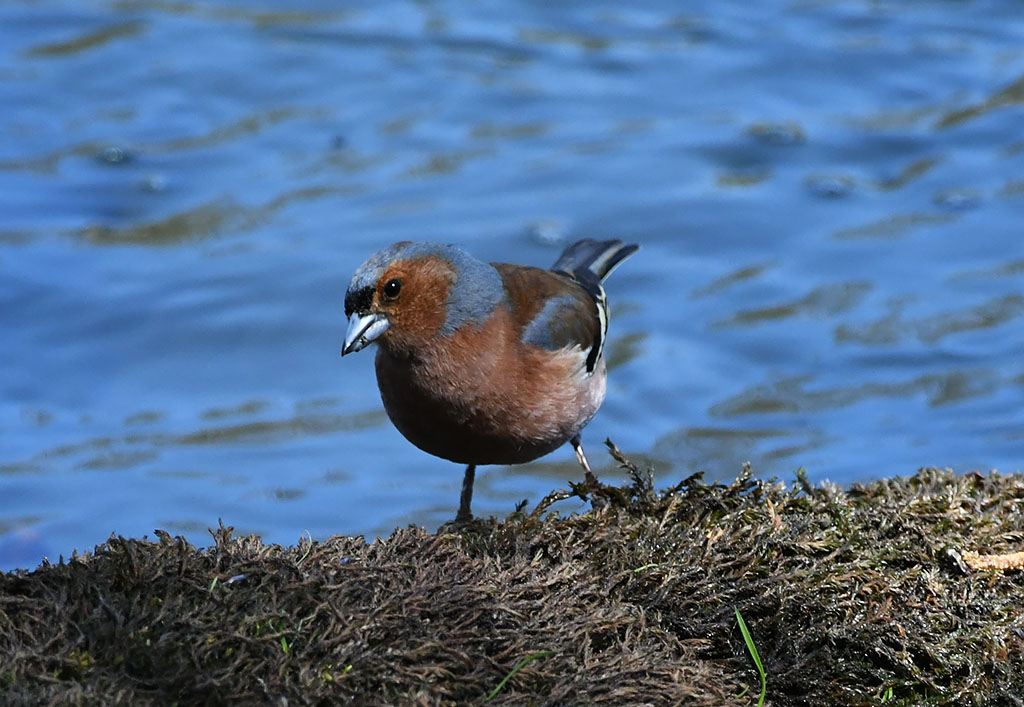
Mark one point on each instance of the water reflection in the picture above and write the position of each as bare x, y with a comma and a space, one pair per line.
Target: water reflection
122, 452
87, 41
623, 349
255, 16
909, 174
1012, 268
264, 432
895, 327
795, 396
1009, 96
50, 161
896, 226
250, 407
827, 197
724, 282
202, 222
825, 300
445, 163
144, 417
248, 125
217, 219
721, 452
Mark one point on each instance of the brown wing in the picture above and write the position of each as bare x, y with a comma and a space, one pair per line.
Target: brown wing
551, 310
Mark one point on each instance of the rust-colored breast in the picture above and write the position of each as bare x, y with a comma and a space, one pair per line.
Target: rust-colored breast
481, 395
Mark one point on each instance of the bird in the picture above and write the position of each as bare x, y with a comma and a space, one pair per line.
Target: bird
485, 363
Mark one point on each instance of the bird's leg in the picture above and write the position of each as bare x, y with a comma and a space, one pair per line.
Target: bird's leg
582, 459
464, 513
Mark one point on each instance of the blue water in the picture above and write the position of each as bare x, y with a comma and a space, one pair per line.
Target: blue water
828, 195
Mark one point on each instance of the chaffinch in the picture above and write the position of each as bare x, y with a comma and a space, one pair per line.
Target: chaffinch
484, 363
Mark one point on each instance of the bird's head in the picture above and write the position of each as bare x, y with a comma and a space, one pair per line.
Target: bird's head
410, 293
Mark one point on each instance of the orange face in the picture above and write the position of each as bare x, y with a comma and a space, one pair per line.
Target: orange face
404, 308
409, 294
412, 295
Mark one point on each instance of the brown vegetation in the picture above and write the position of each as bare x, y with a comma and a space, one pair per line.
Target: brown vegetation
853, 597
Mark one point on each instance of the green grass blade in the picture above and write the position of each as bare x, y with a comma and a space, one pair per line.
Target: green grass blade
519, 666
752, 649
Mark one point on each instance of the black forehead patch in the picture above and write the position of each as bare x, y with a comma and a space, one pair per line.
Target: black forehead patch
358, 300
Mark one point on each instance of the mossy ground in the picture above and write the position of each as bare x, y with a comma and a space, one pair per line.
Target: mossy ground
852, 596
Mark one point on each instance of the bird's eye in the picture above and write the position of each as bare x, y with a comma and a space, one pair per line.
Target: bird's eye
392, 288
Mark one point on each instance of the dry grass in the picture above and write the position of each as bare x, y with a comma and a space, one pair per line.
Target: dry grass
852, 596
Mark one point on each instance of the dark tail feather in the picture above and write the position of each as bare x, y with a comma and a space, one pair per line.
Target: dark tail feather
589, 260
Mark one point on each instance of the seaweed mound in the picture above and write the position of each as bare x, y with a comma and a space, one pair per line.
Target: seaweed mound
852, 597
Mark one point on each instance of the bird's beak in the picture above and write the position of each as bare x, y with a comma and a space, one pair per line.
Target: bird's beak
363, 330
